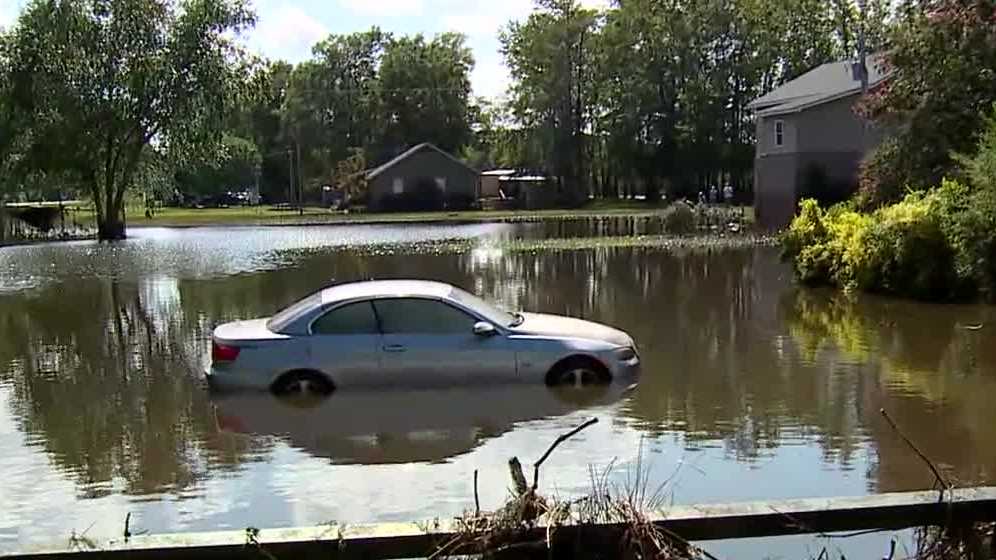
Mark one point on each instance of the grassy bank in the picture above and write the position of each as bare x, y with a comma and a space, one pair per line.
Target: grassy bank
267, 216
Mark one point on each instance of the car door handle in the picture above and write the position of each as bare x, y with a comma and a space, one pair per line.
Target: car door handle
394, 348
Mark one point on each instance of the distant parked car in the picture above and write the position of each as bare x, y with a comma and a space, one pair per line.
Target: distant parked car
412, 333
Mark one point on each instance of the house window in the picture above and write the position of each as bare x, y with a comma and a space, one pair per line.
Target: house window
441, 183
398, 186
779, 133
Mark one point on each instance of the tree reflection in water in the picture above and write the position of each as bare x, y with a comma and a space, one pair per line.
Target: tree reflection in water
104, 370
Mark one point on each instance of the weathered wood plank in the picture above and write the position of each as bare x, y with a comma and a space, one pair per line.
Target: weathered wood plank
695, 523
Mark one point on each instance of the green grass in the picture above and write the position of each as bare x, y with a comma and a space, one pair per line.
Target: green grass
266, 215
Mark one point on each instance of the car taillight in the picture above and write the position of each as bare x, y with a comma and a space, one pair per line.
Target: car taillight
223, 352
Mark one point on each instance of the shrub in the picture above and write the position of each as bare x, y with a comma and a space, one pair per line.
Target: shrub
900, 249
969, 225
679, 219
906, 251
804, 243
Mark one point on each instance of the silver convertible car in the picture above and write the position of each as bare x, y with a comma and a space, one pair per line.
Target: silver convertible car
412, 333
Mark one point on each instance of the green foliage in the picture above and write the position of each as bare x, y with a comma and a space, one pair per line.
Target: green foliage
980, 168
101, 80
552, 58
939, 245
936, 245
425, 91
679, 219
378, 93
233, 168
653, 96
943, 63
351, 177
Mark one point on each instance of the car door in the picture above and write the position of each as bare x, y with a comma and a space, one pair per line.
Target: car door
428, 342
345, 344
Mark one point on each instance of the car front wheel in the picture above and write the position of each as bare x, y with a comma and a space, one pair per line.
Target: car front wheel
302, 383
578, 372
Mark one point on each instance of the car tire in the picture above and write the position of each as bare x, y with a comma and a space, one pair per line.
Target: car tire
578, 371
302, 383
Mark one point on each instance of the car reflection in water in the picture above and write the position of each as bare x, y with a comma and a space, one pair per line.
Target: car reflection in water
403, 426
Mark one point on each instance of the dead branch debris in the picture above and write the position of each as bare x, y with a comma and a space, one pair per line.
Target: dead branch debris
527, 525
530, 525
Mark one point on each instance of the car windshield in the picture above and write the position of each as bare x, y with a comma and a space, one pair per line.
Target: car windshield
487, 310
285, 317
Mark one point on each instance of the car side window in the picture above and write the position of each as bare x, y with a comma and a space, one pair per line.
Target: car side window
353, 318
422, 316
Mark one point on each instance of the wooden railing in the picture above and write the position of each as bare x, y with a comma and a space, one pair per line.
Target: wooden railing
693, 523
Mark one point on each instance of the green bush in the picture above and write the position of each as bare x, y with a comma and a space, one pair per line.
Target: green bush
937, 245
899, 249
907, 252
679, 219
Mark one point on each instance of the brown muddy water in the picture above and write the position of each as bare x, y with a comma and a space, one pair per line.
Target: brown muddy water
752, 388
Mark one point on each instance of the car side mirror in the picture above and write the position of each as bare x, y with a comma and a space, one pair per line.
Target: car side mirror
484, 328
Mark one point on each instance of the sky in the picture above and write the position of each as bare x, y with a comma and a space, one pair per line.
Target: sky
286, 29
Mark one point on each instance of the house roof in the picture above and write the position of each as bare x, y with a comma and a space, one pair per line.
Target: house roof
409, 153
825, 83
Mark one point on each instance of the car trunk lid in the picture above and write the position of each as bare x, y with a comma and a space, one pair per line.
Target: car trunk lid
245, 331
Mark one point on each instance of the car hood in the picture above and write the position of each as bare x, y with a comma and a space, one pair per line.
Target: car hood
555, 325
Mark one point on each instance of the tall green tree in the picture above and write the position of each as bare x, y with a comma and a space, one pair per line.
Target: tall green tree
943, 62
425, 92
107, 78
332, 100
551, 57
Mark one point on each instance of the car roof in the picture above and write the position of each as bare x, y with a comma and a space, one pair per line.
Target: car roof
385, 288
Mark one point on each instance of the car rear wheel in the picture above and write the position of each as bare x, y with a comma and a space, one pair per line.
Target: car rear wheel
578, 372
302, 383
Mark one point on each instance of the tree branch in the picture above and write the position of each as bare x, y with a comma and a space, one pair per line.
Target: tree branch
558, 441
945, 485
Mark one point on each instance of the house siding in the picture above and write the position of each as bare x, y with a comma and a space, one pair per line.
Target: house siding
828, 136
427, 165
766, 135
833, 127
775, 197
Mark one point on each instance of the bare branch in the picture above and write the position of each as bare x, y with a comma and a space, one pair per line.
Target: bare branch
937, 474
558, 441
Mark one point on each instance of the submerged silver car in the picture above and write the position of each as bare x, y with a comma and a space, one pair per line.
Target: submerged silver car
413, 333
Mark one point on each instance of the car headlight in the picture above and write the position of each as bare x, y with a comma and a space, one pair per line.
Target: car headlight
625, 354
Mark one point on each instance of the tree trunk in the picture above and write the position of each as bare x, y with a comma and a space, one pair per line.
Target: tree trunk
112, 229
111, 225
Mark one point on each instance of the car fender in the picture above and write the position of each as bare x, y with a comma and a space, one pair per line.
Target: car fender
536, 355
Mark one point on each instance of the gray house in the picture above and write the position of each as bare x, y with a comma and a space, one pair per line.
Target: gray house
809, 140
422, 178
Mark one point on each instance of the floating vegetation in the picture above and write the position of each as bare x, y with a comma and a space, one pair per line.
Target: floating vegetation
678, 244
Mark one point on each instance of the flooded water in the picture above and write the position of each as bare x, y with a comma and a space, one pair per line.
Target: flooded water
752, 388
